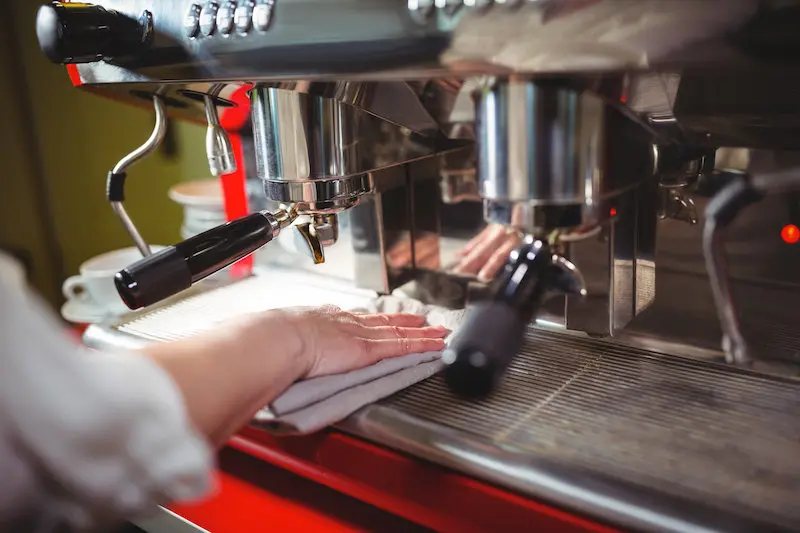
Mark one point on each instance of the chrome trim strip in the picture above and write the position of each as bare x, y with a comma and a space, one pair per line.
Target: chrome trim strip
105, 337
588, 493
165, 521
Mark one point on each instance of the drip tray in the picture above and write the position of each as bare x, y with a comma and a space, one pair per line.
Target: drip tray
709, 434
642, 440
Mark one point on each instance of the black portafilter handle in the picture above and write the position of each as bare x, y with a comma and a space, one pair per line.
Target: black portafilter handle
176, 268
493, 331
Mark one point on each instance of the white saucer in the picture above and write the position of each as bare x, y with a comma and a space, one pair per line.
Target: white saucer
79, 312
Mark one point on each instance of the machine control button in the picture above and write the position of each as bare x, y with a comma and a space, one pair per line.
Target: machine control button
208, 19
244, 17
225, 17
262, 14
191, 22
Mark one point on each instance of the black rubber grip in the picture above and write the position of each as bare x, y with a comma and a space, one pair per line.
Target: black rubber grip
484, 346
153, 279
77, 32
176, 268
115, 187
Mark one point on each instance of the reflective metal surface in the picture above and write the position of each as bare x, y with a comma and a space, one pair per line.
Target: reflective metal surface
396, 231
736, 50
322, 196
165, 521
317, 151
301, 138
551, 156
219, 150
643, 439
619, 265
314, 37
541, 145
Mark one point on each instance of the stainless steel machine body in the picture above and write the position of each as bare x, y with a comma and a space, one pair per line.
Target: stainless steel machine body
619, 141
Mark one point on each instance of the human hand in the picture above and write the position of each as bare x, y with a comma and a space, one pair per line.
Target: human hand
228, 373
333, 341
487, 252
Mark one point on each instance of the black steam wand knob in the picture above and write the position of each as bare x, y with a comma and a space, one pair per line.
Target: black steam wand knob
78, 32
492, 332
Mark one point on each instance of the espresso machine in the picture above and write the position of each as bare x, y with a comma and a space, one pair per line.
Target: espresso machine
633, 357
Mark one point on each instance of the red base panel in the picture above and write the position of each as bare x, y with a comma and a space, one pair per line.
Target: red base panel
416, 491
254, 496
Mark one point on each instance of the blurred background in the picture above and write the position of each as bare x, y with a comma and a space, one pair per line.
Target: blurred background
57, 144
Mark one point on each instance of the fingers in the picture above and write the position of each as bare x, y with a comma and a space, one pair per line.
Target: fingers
498, 259
425, 252
400, 255
377, 349
475, 259
397, 332
406, 320
486, 233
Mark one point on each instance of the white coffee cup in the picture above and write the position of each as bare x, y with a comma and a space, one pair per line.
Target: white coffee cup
94, 286
203, 205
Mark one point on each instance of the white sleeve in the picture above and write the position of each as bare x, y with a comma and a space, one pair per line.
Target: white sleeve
86, 438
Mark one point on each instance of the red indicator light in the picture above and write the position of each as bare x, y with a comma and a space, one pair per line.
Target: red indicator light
790, 234
613, 212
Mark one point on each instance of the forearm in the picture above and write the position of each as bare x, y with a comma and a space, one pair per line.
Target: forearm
225, 381
86, 437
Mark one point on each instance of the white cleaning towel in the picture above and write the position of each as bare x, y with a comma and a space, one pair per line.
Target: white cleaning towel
311, 405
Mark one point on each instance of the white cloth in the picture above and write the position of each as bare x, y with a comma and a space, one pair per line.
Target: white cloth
313, 404
86, 439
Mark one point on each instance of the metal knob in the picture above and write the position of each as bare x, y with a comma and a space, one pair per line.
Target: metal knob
77, 32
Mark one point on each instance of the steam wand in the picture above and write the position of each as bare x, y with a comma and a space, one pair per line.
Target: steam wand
115, 183
724, 207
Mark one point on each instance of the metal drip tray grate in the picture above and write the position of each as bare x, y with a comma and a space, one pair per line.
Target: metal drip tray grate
709, 433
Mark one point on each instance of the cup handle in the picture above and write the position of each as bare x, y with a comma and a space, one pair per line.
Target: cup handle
75, 289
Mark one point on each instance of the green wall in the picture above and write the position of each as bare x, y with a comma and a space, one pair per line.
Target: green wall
78, 137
